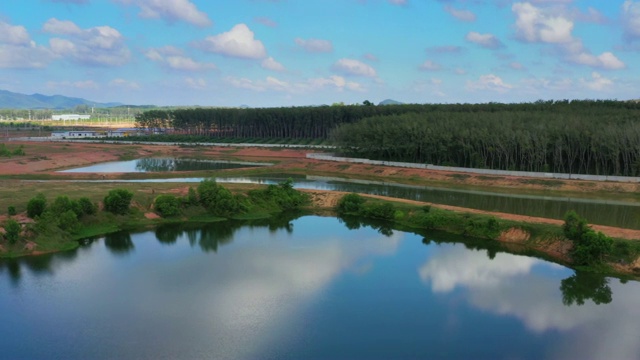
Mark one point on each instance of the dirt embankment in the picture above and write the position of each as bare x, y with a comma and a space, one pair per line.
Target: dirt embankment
47, 158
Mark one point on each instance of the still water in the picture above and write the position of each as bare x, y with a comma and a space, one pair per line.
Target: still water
311, 287
162, 165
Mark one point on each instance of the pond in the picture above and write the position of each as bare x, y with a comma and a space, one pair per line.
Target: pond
308, 287
602, 212
163, 165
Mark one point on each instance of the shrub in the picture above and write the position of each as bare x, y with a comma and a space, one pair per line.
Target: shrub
118, 201
61, 205
574, 226
11, 210
36, 206
87, 207
68, 221
12, 231
589, 247
384, 211
167, 205
217, 199
192, 197
350, 204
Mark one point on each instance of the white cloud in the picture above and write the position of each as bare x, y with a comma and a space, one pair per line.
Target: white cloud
14, 34
597, 82
315, 45
370, 57
631, 19
271, 64
398, 2
18, 51
516, 66
172, 58
125, 84
550, 26
354, 67
85, 84
536, 25
170, 10
430, 66
489, 82
488, 41
266, 21
101, 45
462, 15
238, 42
197, 84
337, 82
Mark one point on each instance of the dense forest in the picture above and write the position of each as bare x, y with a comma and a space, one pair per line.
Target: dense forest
589, 137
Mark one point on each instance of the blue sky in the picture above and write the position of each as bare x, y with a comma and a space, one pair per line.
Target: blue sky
309, 52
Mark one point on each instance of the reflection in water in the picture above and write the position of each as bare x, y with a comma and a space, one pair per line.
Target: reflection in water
119, 243
583, 286
309, 288
163, 165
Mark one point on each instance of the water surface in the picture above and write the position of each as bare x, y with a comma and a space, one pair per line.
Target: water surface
162, 165
312, 287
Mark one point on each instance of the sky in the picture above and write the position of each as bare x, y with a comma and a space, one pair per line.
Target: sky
266, 53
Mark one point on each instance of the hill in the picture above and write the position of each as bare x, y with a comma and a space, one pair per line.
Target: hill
390, 102
11, 100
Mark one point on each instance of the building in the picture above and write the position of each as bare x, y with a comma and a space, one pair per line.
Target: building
65, 117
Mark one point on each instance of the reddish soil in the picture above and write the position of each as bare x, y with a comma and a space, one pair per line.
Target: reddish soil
47, 157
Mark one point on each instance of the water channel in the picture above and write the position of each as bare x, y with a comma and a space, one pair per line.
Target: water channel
309, 287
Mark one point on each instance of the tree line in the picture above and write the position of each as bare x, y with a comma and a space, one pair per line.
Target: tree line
587, 137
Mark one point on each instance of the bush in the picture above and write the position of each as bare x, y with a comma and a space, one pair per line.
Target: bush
217, 199
87, 207
118, 201
36, 206
167, 205
68, 221
11, 210
589, 247
61, 205
12, 231
383, 211
192, 197
350, 204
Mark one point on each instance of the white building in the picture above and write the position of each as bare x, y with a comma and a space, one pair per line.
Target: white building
66, 117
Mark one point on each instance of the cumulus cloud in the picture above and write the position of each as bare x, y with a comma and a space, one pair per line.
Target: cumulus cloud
239, 42
172, 58
489, 82
488, 41
430, 66
197, 84
462, 15
124, 84
271, 64
265, 21
446, 49
597, 82
631, 19
337, 82
170, 11
100, 45
354, 67
270, 83
550, 26
315, 45
83, 84
18, 51
535, 25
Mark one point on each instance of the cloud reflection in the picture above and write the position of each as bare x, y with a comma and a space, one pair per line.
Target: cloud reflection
510, 285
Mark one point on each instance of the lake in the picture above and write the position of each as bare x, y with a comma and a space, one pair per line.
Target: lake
308, 287
163, 165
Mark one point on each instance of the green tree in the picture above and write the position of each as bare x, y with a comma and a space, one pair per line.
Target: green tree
217, 199
36, 206
12, 231
87, 207
192, 197
118, 201
167, 205
350, 204
574, 226
11, 210
68, 221
582, 286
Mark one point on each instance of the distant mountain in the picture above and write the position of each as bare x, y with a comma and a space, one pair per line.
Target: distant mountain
390, 102
11, 100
